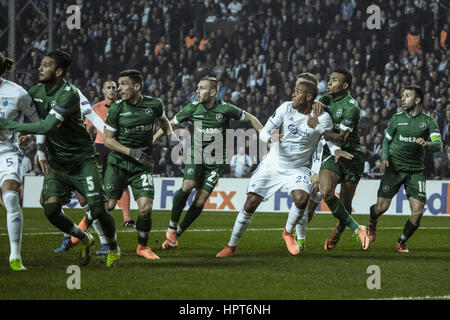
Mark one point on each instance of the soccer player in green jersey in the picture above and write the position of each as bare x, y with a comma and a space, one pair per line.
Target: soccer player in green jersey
72, 156
344, 111
404, 147
129, 133
210, 115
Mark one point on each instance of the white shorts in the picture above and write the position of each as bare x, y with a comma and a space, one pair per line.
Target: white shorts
10, 167
268, 179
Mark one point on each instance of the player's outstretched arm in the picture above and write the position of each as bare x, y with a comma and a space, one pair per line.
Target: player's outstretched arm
166, 126
40, 127
253, 121
339, 138
160, 132
435, 145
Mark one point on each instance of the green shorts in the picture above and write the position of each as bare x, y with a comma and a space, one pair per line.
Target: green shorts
205, 176
392, 180
120, 174
86, 178
347, 170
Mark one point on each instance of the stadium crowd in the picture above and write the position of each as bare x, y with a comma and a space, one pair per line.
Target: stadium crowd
272, 41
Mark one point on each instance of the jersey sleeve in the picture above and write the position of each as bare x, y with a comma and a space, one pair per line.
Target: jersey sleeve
349, 119
275, 121
435, 133
235, 113
27, 107
391, 129
160, 109
185, 113
112, 119
65, 106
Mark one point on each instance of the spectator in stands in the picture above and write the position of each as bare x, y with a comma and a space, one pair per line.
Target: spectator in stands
240, 164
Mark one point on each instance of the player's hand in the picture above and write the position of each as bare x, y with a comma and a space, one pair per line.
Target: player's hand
421, 142
317, 108
141, 155
43, 164
276, 137
341, 153
24, 140
315, 181
313, 121
384, 165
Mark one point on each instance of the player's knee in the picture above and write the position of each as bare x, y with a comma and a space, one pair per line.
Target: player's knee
52, 209
251, 204
110, 205
327, 193
11, 201
145, 209
300, 203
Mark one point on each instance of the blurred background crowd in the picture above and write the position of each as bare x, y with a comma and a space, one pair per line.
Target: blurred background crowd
256, 49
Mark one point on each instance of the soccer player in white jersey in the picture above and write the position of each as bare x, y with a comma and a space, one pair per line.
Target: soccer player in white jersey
286, 165
314, 197
15, 104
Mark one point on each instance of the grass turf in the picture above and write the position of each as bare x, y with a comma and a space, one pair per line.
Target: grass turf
261, 270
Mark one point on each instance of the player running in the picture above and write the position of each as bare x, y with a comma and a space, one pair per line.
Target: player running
129, 134
209, 115
72, 157
344, 111
15, 104
287, 164
404, 147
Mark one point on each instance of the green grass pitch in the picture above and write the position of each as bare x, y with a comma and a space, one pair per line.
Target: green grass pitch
261, 270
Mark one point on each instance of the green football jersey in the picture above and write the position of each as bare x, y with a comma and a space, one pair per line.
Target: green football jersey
207, 125
133, 124
403, 131
69, 143
345, 113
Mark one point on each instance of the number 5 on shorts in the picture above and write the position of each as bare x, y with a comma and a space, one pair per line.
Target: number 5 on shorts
90, 183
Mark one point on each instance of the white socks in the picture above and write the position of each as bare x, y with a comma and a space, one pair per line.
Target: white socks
96, 224
240, 226
301, 227
14, 218
295, 214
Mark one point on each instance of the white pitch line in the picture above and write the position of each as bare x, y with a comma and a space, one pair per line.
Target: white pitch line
217, 230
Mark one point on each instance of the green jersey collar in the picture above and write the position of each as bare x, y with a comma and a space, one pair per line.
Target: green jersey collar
52, 92
215, 104
341, 98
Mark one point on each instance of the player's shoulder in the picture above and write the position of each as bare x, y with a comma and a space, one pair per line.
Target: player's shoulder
352, 102
36, 89
427, 116
13, 87
149, 100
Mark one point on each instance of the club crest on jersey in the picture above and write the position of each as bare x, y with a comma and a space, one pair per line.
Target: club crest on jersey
422, 126
149, 111
5, 103
190, 170
385, 188
339, 112
219, 117
110, 187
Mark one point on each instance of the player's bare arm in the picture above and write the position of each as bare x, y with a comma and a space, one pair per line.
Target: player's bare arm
253, 121
337, 138
158, 134
166, 126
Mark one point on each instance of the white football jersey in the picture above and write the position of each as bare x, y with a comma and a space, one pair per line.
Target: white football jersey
299, 140
15, 104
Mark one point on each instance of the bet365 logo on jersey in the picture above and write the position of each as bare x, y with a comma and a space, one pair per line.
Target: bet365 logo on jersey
407, 139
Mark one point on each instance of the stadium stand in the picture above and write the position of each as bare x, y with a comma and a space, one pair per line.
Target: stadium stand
256, 49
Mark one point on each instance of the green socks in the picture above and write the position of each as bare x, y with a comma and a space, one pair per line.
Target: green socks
143, 227
408, 230
340, 212
192, 214
58, 218
179, 201
373, 217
